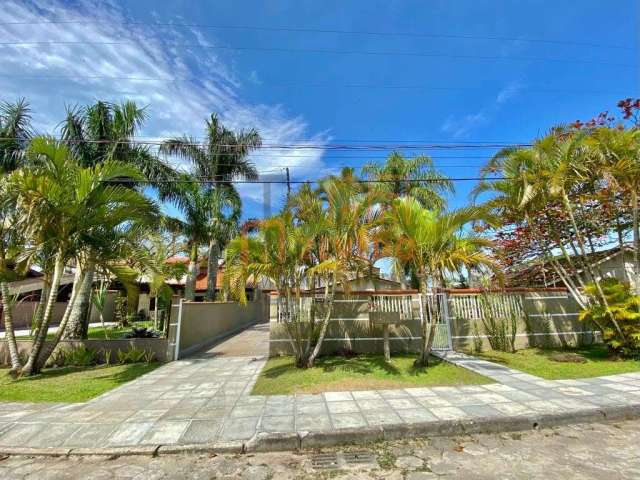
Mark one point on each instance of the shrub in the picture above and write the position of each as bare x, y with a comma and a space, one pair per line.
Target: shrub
74, 357
500, 330
135, 355
620, 325
142, 332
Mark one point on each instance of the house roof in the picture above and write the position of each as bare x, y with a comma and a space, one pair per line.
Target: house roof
534, 273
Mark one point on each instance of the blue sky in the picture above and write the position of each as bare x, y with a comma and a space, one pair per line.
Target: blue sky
547, 63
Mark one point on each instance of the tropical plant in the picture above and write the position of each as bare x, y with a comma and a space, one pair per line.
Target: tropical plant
410, 177
551, 193
433, 244
63, 209
99, 302
218, 160
15, 132
624, 307
500, 329
279, 252
100, 133
194, 203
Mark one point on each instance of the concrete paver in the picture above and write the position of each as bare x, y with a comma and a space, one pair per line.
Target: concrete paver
207, 398
591, 452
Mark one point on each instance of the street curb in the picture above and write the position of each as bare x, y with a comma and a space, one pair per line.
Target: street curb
272, 442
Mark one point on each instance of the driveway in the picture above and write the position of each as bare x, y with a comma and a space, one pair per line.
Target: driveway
252, 342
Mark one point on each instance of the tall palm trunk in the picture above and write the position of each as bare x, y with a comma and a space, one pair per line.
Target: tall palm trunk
587, 266
325, 322
428, 326
212, 269
64, 323
31, 366
636, 241
192, 274
78, 324
9, 334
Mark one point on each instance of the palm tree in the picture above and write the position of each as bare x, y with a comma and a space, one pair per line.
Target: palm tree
224, 211
557, 169
345, 238
15, 132
96, 134
415, 177
154, 265
63, 209
280, 252
617, 153
220, 158
432, 243
195, 204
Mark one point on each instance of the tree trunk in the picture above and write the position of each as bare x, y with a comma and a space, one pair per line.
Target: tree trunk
587, 267
78, 325
423, 359
636, 242
192, 275
212, 269
62, 328
31, 366
387, 349
9, 334
325, 323
37, 314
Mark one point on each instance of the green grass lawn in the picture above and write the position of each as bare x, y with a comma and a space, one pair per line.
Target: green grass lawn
98, 333
364, 372
540, 362
69, 384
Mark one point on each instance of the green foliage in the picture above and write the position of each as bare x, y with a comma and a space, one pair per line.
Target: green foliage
501, 330
74, 357
625, 309
135, 355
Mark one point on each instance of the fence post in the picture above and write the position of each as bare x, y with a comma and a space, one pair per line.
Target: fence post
445, 311
176, 355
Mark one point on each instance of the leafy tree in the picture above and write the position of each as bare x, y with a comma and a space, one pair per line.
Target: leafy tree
222, 157
15, 132
100, 133
64, 208
410, 177
625, 308
432, 244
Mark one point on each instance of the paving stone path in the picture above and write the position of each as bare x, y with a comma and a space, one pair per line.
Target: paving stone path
593, 452
207, 399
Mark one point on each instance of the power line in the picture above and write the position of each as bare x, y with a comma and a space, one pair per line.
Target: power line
206, 181
330, 51
317, 84
301, 146
328, 31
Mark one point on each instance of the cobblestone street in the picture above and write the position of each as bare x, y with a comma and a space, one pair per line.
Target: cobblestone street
594, 451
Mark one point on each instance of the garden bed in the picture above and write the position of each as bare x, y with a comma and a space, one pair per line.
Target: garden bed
545, 362
364, 372
70, 384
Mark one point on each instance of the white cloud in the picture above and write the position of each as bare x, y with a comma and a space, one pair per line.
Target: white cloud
187, 87
461, 127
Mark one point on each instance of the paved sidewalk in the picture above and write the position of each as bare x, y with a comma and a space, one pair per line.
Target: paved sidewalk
207, 399
594, 452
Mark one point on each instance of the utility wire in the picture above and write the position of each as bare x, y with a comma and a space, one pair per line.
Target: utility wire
205, 181
328, 51
301, 146
327, 31
317, 84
